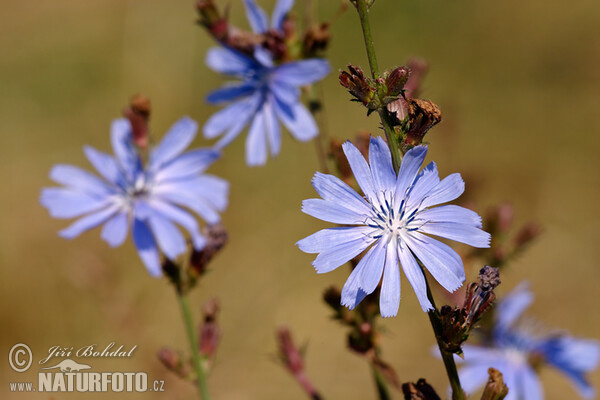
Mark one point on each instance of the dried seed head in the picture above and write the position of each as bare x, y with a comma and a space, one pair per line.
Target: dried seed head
422, 116
495, 389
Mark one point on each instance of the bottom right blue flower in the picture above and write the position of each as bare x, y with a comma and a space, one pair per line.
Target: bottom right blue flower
518, 347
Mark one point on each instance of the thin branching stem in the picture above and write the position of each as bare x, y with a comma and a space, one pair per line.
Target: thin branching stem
434, 316
193, 339
390, 134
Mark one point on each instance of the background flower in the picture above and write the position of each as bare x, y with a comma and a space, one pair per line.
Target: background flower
267, 95
516, 350
395, 219
149, 199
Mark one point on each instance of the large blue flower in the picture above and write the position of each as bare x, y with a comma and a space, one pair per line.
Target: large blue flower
150, 199
516, 351
395, 219
267, 94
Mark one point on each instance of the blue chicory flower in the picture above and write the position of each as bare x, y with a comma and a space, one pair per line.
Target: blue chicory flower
517, 351
267, 94
148, 199
395, 218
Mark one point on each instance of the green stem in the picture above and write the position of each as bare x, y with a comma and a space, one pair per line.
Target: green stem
193, 339
390, 133
434, 316
447, 358
382, 389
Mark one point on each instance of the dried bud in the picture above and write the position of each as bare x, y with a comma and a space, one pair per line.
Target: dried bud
458, 322
422, 116
359, 86
419, 391
210, 333
495, 389
527, 234
396, 80
399, 108
288, 352
173, 361
316, 40
418, 68
275, 42
216, 236
211, 19
138, 114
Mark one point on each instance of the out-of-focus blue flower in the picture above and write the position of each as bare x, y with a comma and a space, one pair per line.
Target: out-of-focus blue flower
149, 199
395, 218
517, 351
267, 94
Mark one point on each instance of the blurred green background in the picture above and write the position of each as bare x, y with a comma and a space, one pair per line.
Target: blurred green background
519, 84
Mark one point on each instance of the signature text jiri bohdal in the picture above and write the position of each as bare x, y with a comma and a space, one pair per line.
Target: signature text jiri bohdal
92, 350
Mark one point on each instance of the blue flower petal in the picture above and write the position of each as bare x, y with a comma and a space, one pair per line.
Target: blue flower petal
331, 188
361, 170
80, 179
409, 168
273, 129
88, 222
239, 120
380, 161
439, 260
389, 299
297, 119
105, 164
169, 238
146, 247
175, 141
114, 231
332, 237
282, 8
450, 188
458, 232
211, 189
451, 213
422, 186
229, 62
124, 149
415, 277
301, 73
257, 17
352, 294
230, 92
256, 141
68, 203
181, 217
187, 165
333, 257
371, 275
187, 198
473, 376
530, 386
512, 306
332, 212
285, 94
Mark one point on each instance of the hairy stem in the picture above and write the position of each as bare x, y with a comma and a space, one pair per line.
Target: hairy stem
388, 128
193, 339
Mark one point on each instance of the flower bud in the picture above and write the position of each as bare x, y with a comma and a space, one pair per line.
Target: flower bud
396, 80
210, 333
359, 86
316, 40
288, 352
495, 389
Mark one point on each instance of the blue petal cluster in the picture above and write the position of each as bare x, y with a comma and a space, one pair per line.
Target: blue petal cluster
395, 221
150, 200
267, 94
516, 351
